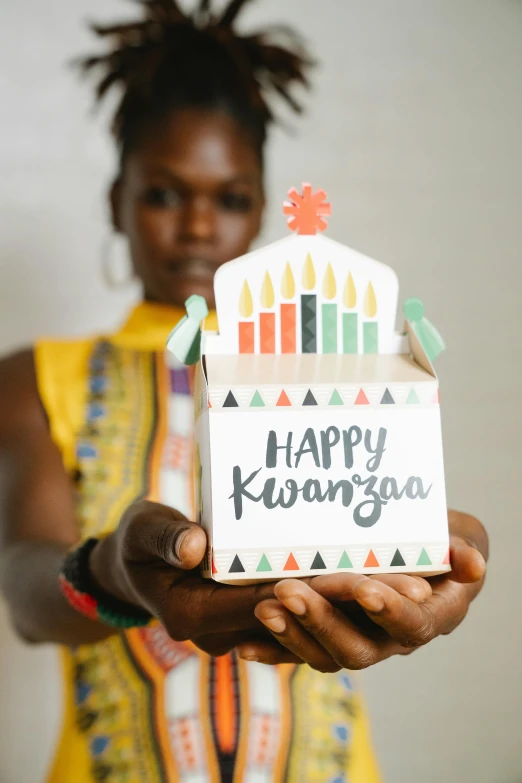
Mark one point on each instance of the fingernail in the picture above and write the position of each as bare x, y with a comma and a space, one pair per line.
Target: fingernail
179, 542
371, 600
295, 604
248, 657
276, 623
480, 565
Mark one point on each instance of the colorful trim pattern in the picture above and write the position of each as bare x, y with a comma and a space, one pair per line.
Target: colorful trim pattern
277, 563
113, 713
115, 699
424, 395
319, 749
114, 447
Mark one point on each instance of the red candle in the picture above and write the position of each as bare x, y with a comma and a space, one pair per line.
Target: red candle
246, 337
267, 332
288, 328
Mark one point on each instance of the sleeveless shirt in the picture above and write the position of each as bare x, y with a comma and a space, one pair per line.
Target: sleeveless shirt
140, 707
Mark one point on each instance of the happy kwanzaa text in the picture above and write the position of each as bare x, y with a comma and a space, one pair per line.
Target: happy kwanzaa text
376, 491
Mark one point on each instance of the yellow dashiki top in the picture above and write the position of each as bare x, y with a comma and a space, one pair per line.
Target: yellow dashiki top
139, 707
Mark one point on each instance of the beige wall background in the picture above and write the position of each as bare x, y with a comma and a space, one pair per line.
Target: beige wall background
415, 132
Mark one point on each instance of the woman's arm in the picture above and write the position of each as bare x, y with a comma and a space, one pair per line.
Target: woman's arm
151, 559
37, 516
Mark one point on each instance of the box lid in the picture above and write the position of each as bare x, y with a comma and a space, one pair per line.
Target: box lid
305, 369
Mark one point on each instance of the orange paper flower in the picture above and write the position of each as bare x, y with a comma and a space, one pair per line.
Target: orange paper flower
306, 211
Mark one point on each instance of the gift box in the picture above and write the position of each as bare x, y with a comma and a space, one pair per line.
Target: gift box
317, 425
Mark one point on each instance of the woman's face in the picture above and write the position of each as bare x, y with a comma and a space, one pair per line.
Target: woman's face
190, 198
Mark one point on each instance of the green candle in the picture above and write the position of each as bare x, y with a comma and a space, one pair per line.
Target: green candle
370, 337
329, 325
350, 333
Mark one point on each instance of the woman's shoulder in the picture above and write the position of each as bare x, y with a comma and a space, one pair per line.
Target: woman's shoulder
42, 389
59, 356
21, 368
20, 405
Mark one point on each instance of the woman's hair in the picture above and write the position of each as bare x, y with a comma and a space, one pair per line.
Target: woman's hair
168, 60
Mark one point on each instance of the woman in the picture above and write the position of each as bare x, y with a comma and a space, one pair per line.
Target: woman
96, 447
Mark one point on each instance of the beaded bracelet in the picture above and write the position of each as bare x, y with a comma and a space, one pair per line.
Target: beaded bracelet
83, 595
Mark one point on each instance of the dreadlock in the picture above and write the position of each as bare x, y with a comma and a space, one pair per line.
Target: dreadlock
168, 60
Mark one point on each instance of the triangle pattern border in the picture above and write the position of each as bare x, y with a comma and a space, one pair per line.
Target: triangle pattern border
393, 557
314, 397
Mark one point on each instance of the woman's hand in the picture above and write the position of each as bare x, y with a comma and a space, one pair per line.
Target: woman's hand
310, 621
152, 560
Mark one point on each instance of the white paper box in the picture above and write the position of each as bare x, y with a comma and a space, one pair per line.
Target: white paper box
316, 462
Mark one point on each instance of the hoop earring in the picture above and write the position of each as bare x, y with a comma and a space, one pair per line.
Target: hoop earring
117, 273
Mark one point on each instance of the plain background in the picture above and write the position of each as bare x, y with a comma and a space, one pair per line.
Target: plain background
415, 132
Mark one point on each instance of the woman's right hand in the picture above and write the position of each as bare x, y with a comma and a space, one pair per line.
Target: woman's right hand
152, 561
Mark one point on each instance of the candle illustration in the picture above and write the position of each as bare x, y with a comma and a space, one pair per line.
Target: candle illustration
246, 328
350, 320
267, 320
288, 312
329, 312
309, 309
370, 328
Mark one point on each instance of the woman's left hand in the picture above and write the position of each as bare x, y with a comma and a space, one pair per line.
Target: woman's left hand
308, 624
